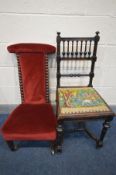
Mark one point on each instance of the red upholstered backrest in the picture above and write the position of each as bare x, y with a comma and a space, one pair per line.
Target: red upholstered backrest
33, 77
32, 65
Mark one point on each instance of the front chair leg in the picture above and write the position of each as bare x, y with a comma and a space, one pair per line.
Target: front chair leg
11, 145
60, 136
106, 125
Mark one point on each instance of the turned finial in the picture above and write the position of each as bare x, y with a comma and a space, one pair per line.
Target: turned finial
97, 37
97, 33
58, 33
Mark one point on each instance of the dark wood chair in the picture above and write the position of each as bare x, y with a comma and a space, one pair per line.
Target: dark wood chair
74, 101
34, 119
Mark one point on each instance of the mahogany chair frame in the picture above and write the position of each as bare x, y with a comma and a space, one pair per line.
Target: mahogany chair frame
67, 55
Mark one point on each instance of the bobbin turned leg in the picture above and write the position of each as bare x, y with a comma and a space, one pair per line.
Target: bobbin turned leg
60, 135
106, 125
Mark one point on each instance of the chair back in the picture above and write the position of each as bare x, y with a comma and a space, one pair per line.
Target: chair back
71, 50
33, 71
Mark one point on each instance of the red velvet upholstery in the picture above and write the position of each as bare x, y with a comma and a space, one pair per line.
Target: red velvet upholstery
33, 77
34, 119
30, 122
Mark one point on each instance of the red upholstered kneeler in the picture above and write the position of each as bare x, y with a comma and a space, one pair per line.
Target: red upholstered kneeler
34, 118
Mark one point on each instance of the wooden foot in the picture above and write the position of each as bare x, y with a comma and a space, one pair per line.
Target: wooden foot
12, 146
99, 144
53, 147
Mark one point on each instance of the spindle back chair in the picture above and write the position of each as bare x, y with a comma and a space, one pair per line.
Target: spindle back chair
74, 101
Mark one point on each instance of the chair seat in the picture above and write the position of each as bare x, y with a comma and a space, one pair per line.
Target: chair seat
30, 122
80, 103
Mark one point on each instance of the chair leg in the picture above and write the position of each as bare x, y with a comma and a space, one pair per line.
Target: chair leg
11, 145
60, 136
106, 125
53, 147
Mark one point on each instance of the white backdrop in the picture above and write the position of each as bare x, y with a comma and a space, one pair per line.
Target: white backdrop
39, 20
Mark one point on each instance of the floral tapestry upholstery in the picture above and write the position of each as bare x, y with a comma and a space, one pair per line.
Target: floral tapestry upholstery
80, 100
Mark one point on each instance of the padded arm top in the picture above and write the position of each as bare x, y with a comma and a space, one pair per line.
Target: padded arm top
31, 48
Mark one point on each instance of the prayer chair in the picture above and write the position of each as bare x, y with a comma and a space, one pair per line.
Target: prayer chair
34, 119
74, 101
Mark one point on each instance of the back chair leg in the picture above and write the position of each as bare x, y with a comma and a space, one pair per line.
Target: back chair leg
11, 145
53, 147
106, 125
